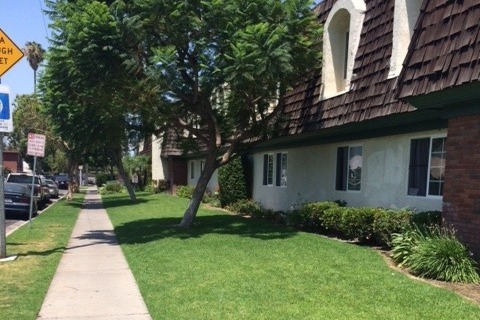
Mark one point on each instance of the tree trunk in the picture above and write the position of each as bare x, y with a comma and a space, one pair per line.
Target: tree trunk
117, 160
197, 196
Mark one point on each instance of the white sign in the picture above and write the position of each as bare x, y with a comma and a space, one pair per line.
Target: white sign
36, 145
6, 122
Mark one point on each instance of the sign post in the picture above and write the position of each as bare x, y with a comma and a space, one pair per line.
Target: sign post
35, 148
6, 125
10, 54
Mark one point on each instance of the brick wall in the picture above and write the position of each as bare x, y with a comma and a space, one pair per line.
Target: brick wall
461, 197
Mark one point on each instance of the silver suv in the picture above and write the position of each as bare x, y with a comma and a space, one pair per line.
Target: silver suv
38, 185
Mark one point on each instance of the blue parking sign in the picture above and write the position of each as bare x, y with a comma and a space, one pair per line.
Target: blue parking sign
4, 106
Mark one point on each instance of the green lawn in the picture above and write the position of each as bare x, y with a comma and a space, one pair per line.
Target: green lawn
25, 281
228, 267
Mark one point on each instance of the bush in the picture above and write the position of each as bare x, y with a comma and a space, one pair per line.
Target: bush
212, 199
112, 187
231, 180
427, 218
102, 178
185, 191
246, 207
310, 216
388, 222
435, 253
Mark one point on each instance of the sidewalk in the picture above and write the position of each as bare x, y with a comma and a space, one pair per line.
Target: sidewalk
93, 280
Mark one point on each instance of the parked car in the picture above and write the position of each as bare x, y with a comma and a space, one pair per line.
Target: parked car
52, 188
40, 189
17, 201
62, 181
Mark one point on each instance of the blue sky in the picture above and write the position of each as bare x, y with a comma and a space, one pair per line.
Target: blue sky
23, 21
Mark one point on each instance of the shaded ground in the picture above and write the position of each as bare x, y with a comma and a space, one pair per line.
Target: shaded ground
467, 290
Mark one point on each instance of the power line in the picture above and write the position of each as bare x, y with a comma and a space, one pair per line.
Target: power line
43, 16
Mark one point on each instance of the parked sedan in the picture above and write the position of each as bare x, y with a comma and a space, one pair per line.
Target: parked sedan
62, 181
52, 188
17, 201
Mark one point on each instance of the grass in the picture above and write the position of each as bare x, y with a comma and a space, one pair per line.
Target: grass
25, 281
228, 267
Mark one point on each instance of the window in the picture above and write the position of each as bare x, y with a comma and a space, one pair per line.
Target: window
349, 168
427, 167
343, 29
281, 170
192, 169
268, 169
202, 165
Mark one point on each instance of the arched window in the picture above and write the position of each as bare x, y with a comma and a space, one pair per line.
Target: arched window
341, 37
404, 19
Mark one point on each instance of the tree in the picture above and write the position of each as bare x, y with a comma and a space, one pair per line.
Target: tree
34, 53
222, 69
90, 85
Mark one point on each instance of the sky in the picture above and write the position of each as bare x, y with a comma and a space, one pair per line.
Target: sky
23, 21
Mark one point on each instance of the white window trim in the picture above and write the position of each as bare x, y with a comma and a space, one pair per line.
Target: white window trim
428, 195
286, 170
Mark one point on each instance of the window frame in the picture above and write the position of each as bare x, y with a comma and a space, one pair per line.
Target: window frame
281, 176
192, 170
426, 178
268, 169
342, 169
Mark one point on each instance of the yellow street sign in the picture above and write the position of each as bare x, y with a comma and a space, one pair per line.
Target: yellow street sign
9, 53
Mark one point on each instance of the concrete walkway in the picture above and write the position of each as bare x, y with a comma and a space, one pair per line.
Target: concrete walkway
93, 280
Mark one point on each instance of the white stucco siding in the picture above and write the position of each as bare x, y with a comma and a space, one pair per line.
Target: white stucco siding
312, 173
193, 178
159, 164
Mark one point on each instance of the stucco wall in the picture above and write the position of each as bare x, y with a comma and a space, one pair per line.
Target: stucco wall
212, 184
159, 165
311, 175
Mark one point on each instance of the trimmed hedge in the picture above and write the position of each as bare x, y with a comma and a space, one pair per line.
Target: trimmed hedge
363, 224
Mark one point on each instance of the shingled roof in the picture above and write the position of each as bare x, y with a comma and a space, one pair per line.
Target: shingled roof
371, 93
445, 50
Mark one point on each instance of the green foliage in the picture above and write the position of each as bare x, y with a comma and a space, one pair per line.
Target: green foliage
363, 224
231, 179
185, 191
435, 253
427, 218
389, 221
112, 187
245, 207
102, 178
310, 216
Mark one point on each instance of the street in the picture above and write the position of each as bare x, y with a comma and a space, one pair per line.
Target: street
12, 225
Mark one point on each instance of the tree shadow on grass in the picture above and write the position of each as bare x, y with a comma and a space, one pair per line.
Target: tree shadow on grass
144, 231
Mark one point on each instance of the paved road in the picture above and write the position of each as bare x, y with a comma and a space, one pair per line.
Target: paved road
12, 225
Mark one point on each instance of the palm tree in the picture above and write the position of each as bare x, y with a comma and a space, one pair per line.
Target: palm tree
34, 53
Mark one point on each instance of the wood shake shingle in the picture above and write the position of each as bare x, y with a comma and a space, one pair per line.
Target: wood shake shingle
445, 51
371, 93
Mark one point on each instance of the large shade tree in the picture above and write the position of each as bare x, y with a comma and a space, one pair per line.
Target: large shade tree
90, 85
222, 69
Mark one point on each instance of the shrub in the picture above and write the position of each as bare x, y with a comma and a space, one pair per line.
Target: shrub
437, 254
246, 207
357, 223
212, 199
102, 178
427, 218
403, 245
112, 187
185, 191
231, 180
310, 215
388, 222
